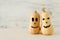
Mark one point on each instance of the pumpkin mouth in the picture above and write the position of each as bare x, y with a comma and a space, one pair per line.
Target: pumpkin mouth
46, 26
34, 26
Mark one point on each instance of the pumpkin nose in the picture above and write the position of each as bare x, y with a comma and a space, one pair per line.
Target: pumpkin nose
34, 23
46, 22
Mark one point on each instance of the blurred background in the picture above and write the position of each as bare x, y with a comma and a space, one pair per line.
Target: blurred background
16, 13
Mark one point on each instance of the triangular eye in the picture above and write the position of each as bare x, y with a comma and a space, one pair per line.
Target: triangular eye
36, 19
32, 19
48, 18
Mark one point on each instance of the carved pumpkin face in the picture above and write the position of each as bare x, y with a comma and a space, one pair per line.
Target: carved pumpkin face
46, 20
35, 20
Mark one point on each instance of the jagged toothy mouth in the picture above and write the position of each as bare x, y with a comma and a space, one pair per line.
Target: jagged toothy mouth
46, 26
34, 27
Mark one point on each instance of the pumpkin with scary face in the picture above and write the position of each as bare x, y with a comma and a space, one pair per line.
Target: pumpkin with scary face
47, 27
34, 26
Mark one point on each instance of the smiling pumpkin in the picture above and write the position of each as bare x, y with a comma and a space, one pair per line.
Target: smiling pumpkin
47, 27
34, 26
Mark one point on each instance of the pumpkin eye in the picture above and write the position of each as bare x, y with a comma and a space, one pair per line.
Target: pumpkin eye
48, 18
36, 19
32, 19
43, 18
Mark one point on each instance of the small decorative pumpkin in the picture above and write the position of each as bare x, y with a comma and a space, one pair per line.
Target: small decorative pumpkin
34, 26
47, 27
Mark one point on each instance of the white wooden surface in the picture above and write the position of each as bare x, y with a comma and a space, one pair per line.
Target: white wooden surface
14, 18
